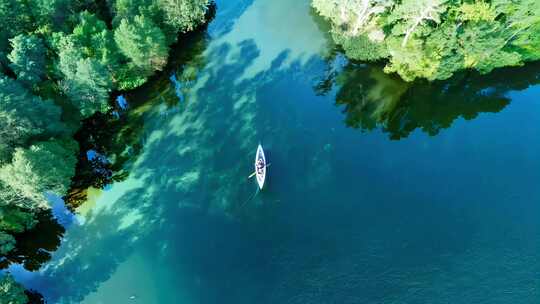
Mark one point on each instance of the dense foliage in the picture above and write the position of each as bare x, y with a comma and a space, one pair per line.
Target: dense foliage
33, 138
11, 292
432, 39
59, 62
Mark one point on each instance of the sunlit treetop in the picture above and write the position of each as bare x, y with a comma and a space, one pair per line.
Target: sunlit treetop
10, 291
434, 38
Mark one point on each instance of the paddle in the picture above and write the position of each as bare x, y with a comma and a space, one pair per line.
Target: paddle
253, 174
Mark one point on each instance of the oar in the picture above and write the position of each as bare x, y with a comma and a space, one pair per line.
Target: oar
253, 174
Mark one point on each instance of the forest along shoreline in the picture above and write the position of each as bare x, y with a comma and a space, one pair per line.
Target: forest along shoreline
433, 39
66, 66
62, 65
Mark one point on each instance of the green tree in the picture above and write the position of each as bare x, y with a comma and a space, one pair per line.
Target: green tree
128, 9
51, 13
89, 61
184, 15
484, 49
15, 219
143, 42
94, 40
355, 17
144, 29
361, 48
357, 28
437, 56
44, 166
7, 243
11, 292
68, 55
412, 14
433, 39
129, 76
89, 86
15, 18
27, 58
521, 27
24, 116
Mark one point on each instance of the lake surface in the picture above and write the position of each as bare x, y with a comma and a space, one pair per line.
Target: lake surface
378, 191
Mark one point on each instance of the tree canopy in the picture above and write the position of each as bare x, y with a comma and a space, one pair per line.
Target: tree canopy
27, 58
89, 87
24, 116
11, 292
143, 42
184, 15
44, 166
433, 39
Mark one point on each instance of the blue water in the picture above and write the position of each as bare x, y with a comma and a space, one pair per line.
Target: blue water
378, 191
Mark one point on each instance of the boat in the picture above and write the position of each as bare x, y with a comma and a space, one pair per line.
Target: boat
261, 173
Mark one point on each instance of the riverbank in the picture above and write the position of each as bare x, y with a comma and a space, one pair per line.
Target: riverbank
70, 86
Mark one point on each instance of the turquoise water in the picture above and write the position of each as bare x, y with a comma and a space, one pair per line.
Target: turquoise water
378, 191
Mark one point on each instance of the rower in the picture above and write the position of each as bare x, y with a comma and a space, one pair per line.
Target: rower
260, 165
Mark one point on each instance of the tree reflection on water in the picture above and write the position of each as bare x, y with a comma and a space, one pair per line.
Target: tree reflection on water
116, 138
372, 99
34, 246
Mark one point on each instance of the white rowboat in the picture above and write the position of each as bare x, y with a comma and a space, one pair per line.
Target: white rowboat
260, 172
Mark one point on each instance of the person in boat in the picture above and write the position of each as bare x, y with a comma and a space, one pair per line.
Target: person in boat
260, 166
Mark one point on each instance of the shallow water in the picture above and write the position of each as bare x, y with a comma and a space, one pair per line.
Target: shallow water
379, 191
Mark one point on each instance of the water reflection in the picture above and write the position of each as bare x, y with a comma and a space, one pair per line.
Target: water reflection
164, 172
110, 150
348, 232
106, 144
174, 172
372, 99
110, 142
34, 246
